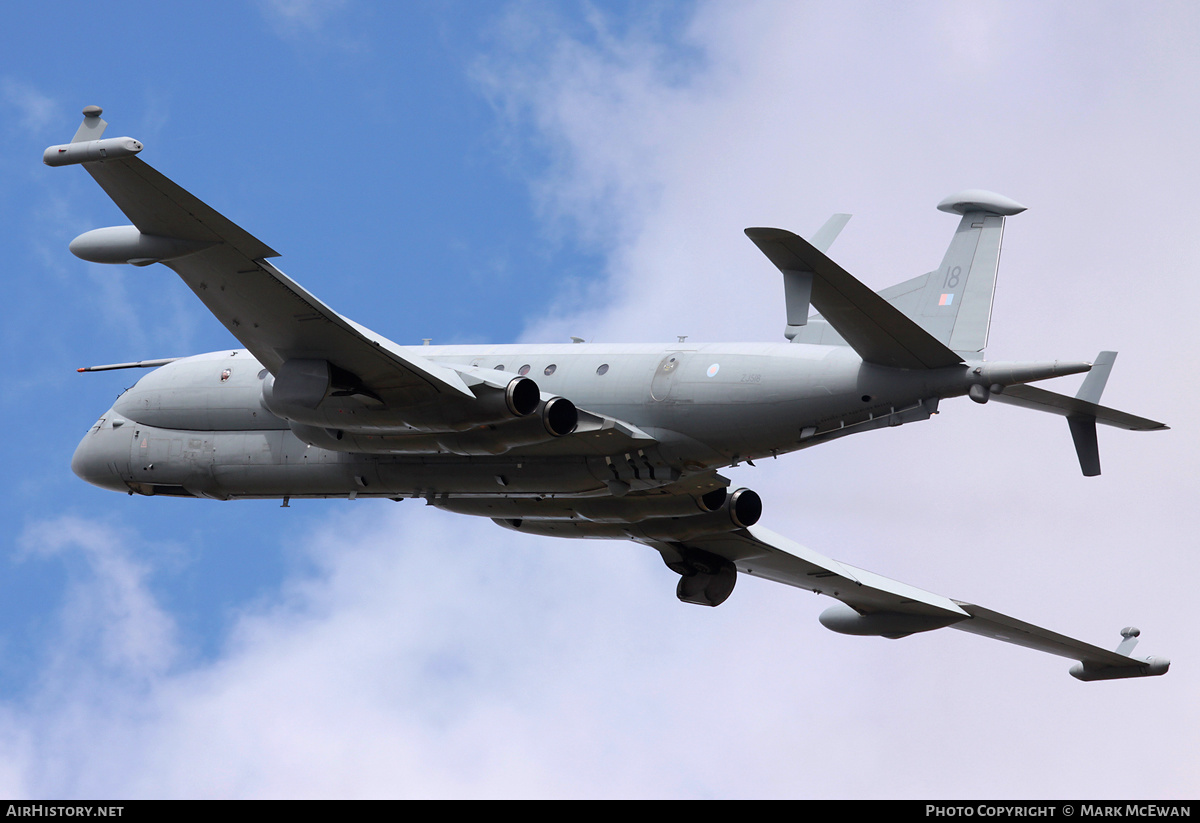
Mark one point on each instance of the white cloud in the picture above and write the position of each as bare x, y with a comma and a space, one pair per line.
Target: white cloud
428, 656
109, 616
35, 110
319, 24
296, 16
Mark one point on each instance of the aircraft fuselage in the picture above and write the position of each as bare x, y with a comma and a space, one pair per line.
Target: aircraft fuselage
199, 427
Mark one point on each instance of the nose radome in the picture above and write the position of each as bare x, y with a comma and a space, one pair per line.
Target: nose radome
98, 454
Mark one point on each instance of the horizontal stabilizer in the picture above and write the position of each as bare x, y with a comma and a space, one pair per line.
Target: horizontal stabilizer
829, 232
1097, 378
878, 331
1030, 397
1083, 411
797, 286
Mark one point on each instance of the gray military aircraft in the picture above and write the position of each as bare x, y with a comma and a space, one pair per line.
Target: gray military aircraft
576, 440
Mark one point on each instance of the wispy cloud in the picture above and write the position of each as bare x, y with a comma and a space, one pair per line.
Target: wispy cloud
109, 616
35, 111
309, 16
402, 661
324, 23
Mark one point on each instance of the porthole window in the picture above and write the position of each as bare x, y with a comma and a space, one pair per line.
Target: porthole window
500, 367
523, 370
550, 369
603, 369
262, 374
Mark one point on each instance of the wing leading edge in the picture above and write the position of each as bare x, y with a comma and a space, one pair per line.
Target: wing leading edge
328, 370
270, 314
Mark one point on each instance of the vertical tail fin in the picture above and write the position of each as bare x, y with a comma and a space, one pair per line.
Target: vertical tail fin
956, 303
953, 303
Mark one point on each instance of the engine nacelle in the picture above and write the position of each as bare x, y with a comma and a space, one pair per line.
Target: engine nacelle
319, 394
563, 528
739, 510
558, 418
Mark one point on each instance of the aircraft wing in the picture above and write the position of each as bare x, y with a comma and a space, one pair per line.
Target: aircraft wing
272, 315
877, 605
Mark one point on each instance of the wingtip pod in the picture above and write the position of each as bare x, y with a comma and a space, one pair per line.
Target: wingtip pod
112, 148
86, 146
1088, 670
988, 202
1149, 667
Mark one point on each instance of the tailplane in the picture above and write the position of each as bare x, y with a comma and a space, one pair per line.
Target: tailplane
1083, 411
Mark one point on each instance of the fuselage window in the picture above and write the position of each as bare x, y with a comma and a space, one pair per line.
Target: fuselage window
603, 369
550, 369
262, 374
500, 367
523, 370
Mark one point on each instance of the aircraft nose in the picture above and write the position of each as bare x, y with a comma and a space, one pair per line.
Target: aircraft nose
100, 454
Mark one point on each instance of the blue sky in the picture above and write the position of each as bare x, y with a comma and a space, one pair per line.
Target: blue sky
528, 171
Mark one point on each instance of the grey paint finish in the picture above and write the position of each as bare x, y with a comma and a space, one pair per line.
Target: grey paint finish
612, 442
